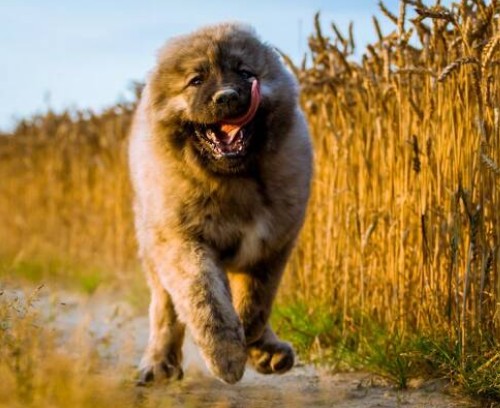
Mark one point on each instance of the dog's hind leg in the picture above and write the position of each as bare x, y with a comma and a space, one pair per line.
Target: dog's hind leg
253, 294
163, 356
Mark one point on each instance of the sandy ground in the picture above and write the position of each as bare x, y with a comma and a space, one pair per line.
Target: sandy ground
120, 335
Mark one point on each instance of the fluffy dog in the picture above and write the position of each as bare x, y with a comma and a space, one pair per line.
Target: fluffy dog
220, 161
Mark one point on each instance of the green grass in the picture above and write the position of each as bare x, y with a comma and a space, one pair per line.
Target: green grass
85, 278
75, 276
318, 336
78, 276
478, 374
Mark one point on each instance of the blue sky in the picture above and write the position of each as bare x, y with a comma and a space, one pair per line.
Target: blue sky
84, 54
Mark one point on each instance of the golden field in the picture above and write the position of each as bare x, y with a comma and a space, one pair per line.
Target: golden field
403, 230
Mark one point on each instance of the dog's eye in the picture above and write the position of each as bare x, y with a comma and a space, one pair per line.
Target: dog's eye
195, 81
245, 74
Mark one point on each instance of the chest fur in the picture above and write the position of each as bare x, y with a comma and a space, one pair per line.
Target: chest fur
237, 227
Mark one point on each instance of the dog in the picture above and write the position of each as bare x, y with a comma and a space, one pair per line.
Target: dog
221, 164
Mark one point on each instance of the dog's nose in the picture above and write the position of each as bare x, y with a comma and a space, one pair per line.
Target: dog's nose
225, 96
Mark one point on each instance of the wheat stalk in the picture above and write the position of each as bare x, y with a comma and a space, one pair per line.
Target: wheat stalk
490, 164
401, 18
449, 69
387, 13
378, 30
489, 50
436, 13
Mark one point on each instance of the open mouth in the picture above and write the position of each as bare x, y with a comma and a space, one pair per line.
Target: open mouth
224, 144
230, 137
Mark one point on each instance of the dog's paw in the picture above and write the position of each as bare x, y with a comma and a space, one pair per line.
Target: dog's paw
157, 372
271, 357
230, 367
226, 357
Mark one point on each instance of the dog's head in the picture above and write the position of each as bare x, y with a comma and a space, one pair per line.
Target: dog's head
218, 93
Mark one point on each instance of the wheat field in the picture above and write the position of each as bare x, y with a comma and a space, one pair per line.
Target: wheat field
404, 221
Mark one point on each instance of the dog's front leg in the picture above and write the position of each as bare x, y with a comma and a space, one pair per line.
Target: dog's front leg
202, 299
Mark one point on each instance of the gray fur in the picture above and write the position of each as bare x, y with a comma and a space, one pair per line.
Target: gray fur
214, 242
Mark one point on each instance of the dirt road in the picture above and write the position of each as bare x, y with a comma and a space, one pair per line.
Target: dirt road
119, 335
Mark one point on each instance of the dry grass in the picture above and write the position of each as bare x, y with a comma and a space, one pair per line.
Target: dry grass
36, 371
406, 220
65, 194
404, 227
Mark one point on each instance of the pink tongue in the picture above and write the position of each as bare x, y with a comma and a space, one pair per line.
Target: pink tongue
231, 127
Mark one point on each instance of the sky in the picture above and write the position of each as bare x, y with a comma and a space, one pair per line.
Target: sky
85, 54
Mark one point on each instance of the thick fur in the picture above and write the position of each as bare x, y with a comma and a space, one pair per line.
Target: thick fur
215, 232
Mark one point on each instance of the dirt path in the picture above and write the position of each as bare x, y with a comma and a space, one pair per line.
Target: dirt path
119, 335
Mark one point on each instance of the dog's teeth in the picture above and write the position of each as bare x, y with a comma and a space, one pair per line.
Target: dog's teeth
211, 135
